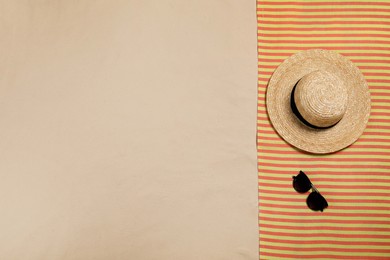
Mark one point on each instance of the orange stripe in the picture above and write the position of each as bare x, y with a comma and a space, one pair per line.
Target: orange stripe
282, 234
325, 41
323, 22
357, 16
361, 67
354, 60
317, 256
335, 186
317, 35
329, 172
368, 126
381, 100
368, 73
322, 179
318, 228
361, 139
329, 48
334, 249
329, 214
371, 119
355, 146
332, 242
324, 28
342, 3
318, 165
286, 54
311, 159
372, 88
317, 10
322, 10
289, 199
377, 87
343, 152
334, 193
334, 207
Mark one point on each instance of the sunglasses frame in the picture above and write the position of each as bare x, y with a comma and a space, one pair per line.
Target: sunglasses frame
322, 203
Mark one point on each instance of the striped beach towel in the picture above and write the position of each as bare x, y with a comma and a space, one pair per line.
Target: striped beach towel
354, 181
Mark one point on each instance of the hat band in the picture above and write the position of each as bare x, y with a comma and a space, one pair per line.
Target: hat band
300, 117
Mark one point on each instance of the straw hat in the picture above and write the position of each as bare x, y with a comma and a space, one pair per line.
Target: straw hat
318, 101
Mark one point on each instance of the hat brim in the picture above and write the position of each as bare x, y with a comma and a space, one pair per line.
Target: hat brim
291, 129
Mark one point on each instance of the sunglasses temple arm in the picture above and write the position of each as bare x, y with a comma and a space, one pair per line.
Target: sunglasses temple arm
314, 188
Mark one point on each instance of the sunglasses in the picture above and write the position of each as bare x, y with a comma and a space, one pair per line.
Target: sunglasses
315, 201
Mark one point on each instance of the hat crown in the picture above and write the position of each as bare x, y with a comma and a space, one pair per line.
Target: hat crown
321, 98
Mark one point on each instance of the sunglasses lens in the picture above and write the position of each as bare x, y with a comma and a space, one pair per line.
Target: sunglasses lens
315, 201
301, 182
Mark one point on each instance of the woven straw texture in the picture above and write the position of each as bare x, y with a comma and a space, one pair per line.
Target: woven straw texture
355, 181
316, 63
